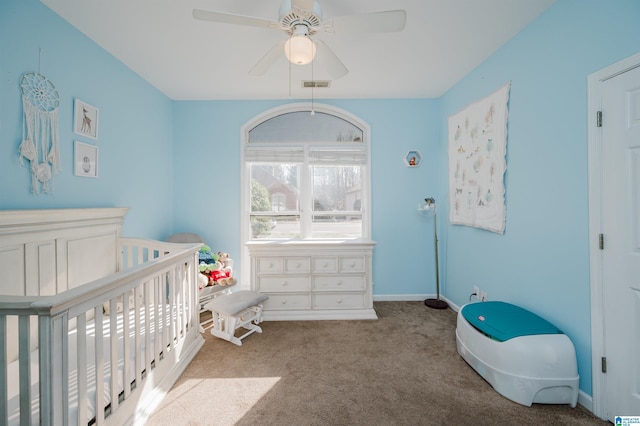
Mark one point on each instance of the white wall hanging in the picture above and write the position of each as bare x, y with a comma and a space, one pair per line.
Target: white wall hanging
477, 149
40, 144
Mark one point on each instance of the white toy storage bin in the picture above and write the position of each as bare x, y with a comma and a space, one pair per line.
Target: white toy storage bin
528, 368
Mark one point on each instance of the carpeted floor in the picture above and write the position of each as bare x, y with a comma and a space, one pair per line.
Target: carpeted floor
402, 369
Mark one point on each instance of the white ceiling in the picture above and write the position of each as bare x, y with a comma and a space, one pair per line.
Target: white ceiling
188, 59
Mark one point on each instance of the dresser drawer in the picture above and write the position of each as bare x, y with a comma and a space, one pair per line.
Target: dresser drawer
351, 264
281, 302
270, 265
296, 265
325, 265
338, 301
338, 283
283, 283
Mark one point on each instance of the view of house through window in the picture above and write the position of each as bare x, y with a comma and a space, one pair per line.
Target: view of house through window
307, 176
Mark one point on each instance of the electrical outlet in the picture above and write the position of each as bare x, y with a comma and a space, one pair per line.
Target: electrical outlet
483, 296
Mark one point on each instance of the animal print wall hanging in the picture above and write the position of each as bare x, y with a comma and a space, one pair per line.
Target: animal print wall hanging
477, 163
40, 144
85, 119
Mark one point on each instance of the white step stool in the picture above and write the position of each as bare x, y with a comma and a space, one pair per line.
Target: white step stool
232, 311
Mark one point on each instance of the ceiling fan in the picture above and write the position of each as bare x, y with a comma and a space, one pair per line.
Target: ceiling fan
300, 19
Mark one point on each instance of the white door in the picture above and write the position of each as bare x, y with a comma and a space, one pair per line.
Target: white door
620, 207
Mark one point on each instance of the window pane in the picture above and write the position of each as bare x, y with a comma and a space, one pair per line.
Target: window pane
336, 226
302, 126
274, 187
337, 189
274, 227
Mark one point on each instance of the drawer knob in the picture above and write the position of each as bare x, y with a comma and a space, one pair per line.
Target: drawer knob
353, 264
298, 265
270, 265
284, 283
339, 300
325, 264
284, 301
339, 282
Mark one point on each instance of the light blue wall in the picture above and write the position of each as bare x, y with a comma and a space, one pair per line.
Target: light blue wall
542, 260
207, 188
135, 139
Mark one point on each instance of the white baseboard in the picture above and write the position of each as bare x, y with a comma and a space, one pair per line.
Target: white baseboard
411, 298
400, 297
585, 400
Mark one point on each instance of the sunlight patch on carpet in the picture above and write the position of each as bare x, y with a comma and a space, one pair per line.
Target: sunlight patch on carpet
227, 400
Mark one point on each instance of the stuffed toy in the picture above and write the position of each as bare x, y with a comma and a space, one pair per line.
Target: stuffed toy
217, 268
207, 256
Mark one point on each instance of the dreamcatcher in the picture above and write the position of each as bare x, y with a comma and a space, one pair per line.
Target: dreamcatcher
40, 143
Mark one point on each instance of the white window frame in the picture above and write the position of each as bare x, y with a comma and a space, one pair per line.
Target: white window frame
245, 232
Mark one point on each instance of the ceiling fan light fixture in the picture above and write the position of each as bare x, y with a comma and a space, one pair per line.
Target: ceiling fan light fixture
300, 49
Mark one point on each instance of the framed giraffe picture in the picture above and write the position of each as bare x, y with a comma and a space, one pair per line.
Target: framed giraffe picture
85, 119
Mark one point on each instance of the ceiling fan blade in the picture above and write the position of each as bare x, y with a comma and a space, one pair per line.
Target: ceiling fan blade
230, 18
378, 22
268, 60
328, 59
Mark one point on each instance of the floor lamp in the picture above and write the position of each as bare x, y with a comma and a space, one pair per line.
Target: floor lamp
427, 209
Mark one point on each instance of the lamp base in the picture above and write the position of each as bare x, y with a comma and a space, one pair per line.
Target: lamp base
436, 304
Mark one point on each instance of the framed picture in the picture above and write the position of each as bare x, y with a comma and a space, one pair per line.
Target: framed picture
85, 161
85, 119
413, 159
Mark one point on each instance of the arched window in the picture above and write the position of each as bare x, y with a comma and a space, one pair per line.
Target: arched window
305, 175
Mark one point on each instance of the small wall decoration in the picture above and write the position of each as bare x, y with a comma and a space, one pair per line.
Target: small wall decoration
413, 159
40, 144
85, 160
477, 149
85, 119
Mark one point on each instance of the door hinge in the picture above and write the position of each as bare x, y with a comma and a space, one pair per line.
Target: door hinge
604, 364
599, 119
601, 241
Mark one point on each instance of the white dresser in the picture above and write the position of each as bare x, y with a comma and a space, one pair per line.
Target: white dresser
314, 279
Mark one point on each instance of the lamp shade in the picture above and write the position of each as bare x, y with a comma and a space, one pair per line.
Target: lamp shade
428, 207
300, 49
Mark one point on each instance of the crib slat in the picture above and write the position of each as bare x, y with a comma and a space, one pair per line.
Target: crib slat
185, 300
138, 343
193, 293
178, 290
81, 350
126, 350
166, 319
156, 317
172, 307
53, 334
140, 255
99, 348
113, 322
24, 327
148, 350
129, 257
4, 411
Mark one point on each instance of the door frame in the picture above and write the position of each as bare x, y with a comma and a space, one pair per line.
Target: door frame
594, 103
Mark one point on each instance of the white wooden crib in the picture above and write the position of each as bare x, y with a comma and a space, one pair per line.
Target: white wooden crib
94, 328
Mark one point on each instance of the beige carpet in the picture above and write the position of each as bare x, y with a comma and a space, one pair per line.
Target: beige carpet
402, 369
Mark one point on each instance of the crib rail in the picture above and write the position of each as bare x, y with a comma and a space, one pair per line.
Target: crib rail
131, 326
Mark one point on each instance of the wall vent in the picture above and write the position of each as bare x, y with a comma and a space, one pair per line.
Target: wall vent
317, 84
